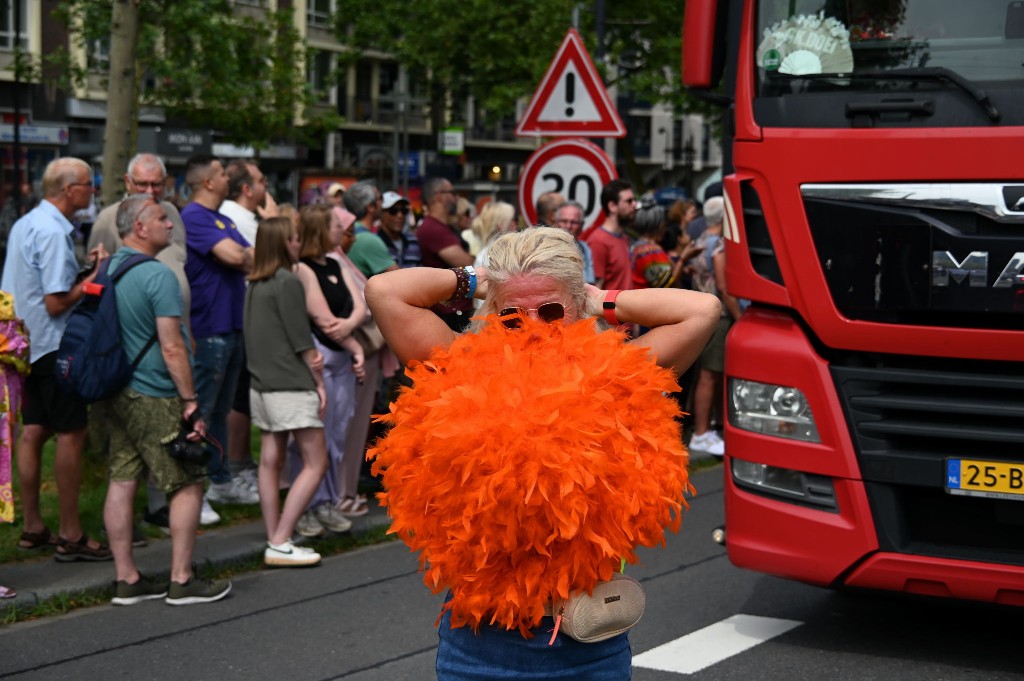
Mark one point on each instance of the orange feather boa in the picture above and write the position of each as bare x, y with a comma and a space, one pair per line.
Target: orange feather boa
527, 464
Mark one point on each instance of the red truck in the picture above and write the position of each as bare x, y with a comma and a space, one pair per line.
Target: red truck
874, 387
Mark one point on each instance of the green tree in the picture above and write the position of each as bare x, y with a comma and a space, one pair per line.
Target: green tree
498, 51
208, 65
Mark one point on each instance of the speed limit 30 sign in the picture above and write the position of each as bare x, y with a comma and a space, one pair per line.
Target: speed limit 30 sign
575, 168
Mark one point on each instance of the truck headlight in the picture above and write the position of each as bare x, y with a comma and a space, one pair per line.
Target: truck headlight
777, 410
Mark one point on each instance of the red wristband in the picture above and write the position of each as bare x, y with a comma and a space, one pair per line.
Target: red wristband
609, 307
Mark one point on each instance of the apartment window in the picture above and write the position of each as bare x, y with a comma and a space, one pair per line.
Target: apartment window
318, 12
388, 78
8, 34
320, 64
99, 55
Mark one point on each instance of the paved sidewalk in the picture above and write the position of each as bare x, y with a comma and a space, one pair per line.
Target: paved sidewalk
39, 581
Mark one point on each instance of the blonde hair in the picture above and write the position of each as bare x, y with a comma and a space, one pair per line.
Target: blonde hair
271, 249
463, 208
539, 251
492, 220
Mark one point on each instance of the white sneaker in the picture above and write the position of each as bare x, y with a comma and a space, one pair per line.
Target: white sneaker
207, 516
233, 492
708, 443
250, 478
289, 555
309, 526
328, 516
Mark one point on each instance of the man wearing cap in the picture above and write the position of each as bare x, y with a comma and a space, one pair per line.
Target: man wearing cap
336, 194
403, 248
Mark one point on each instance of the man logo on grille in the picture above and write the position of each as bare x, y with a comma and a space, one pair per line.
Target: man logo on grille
974, 268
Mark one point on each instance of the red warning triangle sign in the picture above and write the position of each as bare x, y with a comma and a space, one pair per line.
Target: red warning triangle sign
571, 100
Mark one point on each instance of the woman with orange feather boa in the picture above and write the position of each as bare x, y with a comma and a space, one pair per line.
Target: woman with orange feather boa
535, 452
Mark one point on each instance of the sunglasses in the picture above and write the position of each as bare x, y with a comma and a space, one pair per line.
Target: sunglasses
396, 211
512, 317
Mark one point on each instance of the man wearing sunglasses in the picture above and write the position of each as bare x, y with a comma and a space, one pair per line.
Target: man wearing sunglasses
403, 248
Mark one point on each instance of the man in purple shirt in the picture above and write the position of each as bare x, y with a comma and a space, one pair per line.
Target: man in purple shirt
218, 259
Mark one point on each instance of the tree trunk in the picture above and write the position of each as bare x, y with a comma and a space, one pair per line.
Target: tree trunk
118, 144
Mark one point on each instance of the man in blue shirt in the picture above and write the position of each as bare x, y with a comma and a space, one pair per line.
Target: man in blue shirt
42, 274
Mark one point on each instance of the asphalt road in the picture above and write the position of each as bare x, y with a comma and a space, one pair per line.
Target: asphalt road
367, 616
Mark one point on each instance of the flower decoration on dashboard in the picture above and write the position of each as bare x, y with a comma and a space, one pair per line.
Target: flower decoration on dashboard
806, 44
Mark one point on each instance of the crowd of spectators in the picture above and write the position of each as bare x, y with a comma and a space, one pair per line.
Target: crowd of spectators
269, 300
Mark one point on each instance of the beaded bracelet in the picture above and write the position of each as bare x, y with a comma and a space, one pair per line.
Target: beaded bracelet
461, 283
465, 283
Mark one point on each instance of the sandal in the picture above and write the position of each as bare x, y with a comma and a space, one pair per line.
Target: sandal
33, 541
6, 592
353, 507
70, 551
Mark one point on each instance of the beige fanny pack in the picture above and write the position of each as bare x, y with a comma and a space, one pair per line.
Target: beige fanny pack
614, 607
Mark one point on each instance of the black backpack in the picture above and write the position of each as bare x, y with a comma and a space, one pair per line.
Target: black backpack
91, 361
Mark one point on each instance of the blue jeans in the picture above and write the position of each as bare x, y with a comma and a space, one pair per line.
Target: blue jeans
495, 653
218, 363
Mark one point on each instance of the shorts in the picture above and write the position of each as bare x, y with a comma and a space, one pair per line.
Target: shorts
141, 427
46, 404
713, 357
285, 410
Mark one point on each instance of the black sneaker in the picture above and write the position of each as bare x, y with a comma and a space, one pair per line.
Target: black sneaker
197, 590
147, 588
160, 518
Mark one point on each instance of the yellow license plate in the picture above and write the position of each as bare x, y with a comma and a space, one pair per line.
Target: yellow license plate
999, 479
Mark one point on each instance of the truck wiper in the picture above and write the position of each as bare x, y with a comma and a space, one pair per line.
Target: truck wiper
937, 73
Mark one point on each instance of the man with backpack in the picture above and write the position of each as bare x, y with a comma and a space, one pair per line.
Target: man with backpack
42, 273
155, 423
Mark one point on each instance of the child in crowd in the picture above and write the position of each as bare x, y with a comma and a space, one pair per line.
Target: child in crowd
287, 393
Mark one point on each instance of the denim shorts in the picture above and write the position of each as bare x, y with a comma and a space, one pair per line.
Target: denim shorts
494, 653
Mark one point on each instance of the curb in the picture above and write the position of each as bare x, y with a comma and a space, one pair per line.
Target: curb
40, 581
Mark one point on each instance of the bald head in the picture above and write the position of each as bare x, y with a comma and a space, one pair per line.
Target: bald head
62, 173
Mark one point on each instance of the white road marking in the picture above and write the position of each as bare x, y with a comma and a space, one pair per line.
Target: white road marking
712, 644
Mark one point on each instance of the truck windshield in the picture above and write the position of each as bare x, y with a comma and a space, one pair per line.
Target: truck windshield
945, 53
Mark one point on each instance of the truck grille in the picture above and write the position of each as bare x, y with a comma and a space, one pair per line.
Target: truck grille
905, 419
937, 255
